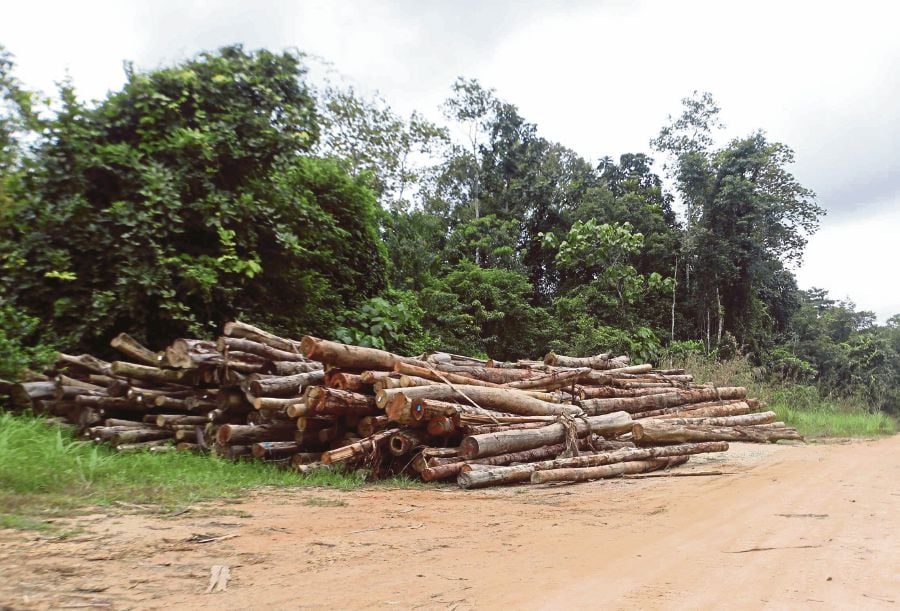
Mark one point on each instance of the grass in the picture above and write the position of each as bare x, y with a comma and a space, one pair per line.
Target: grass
45, 473
798, 405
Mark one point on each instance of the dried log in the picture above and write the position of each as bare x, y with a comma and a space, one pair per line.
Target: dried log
82, 362
134, 350
359, 450
283, 386
153, 374
440, 426
654, 402
193, 353
440, 376
111, 422
243, 330
504, 442
552, 380
600, 361
132, 435
369, 425
611, 392
291, 368
275, 450
488, 374
710, 409
163, 420
228, 345
500, 399
350, 357
522, 473
659, 432
351, 382
25, 394
405, 441
591, 473
236, 434
744, 420
333, 402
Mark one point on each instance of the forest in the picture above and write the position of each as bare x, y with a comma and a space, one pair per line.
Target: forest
233, 186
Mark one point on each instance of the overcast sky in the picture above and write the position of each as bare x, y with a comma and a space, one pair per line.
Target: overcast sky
597, 76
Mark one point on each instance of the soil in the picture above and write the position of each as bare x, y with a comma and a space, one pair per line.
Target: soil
785, 526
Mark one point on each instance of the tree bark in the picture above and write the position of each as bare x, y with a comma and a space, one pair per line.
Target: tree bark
744, 420
325, 401
404, 441
591, 473
284, 386
243, 330
506, 400
552, 380
154, 374
503, 442
600, 361
661, 401
659, 432
275, 450
237, 434
134, 350
358, 450
710, 409
369, 425
350, 357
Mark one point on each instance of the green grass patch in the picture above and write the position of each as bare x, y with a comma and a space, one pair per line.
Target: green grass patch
44, 472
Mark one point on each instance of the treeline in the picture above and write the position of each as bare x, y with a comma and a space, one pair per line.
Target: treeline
228, 186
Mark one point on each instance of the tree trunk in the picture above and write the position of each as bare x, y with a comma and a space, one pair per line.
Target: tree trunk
659, 432
654, 402
360, 449
153, 374
240, 329
237, 434
606, 471
711, 409
325, 401
275, 450
744, 420
552, 380
235, 344
405, 441
503, 442
440, 376
601, 361
369, 425
611, 392
284, 386
500, 399
134, 350
350, 357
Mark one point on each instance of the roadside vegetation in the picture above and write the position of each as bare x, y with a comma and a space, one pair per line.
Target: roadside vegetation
44, 473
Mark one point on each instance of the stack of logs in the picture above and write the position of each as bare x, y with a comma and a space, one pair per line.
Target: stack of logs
316, 405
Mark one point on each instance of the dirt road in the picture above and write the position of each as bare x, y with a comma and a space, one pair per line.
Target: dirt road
813, 526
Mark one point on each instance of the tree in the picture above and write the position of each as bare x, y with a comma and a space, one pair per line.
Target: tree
187, 198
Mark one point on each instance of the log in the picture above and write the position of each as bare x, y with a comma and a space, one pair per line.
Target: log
298, 409
283, 386
275, 450
237, 344
163, 420
441, 426
552, 380
350, 357
110, 422
451, 467
290, 368
243, 330
134, 350
326, 401
369, 425
659, 432
591, 473
611, 392
711, 409
193, 353
343, 380
654, 402
83, 362
237, 434
359, 450
504, 442
744, 420
488, 374
260, 403
600, 361
501, 399
522, 473
133, 435
405, 441
440, 376
153, 374
25, 394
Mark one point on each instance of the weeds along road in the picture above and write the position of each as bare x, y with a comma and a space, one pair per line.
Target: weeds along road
814, 526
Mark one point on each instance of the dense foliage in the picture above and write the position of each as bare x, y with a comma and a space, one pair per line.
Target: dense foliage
229, 185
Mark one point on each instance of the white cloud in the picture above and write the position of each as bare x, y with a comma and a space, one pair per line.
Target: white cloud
600, 77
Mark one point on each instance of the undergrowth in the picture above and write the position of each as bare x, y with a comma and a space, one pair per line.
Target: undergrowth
797, 405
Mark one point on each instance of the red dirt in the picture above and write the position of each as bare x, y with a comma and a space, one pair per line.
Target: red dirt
791, 526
